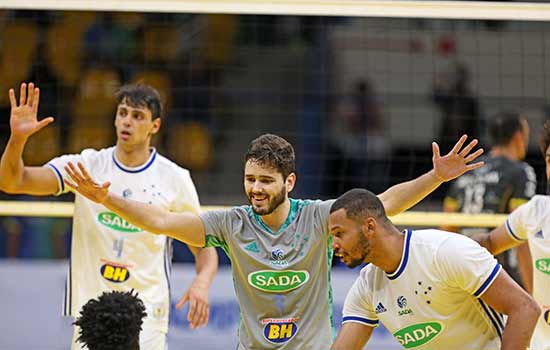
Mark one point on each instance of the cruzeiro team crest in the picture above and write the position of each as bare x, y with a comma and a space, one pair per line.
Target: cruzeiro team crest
278, 258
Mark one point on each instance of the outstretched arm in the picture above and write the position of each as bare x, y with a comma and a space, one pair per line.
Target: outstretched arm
402, 196
206, 266
185, 227
15, 177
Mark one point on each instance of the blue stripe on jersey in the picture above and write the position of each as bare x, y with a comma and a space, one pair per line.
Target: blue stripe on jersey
59, 177
65, 299
511, 232
135, 170
489, 280
359, 320
491, 317
168, 262
405, 258
69, 292
498, 317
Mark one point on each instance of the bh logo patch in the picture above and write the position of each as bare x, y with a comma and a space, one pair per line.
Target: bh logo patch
418, 334
280, 331
115, 273
546, 317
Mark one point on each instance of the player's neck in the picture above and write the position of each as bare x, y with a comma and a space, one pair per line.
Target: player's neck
278, 217
505, 151
390, 251
132, 156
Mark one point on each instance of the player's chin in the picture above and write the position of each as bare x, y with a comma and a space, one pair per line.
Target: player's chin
260, 210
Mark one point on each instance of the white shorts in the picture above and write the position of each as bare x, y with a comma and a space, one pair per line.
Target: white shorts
149, 339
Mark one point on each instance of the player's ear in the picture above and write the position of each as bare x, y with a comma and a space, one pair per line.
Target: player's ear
290, 182
156, 126
370, 225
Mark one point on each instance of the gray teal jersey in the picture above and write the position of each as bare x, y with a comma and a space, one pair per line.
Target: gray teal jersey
282, 279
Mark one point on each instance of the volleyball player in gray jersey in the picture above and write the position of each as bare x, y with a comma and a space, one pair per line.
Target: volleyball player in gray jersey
279, 247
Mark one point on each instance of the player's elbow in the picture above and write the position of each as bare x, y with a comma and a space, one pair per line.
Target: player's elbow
532, 309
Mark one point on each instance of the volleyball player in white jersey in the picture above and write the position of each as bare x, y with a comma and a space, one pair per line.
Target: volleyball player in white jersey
108, 253
531, 223
431, 289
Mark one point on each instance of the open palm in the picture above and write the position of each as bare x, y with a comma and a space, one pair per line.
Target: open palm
457, 161
23, 117
83, 183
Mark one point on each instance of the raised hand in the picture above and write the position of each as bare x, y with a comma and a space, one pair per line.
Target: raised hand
83, 183
457, 161
23, 120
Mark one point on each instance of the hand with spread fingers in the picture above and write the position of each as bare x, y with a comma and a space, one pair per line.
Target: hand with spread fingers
23, 117
82, 183
457, 161
197, 296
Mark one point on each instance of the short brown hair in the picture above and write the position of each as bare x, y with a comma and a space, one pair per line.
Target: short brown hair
141, 95
544, 140
273, 151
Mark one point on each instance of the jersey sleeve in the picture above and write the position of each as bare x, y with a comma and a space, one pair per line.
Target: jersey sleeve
357, 306
464, 264
57, 165
523, 220
188, 199
525, 185
217, 226
321, 215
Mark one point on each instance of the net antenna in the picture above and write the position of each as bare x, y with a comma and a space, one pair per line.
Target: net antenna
472, 10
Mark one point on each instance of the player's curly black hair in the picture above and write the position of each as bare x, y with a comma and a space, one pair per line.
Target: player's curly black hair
112, 321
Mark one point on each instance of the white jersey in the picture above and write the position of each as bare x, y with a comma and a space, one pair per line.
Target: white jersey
107, 252
531, 222
432, 300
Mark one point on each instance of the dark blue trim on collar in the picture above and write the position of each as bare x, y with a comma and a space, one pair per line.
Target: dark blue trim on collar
137, 169
404, 258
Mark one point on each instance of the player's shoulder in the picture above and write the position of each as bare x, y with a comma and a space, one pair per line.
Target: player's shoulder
437, 240
168, 166
97, 157
539, 204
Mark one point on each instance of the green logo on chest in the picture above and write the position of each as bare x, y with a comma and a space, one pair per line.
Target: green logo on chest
543, 265
418, 334
115, 222
277, 281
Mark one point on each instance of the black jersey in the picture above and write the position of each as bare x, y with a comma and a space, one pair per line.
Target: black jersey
496, 188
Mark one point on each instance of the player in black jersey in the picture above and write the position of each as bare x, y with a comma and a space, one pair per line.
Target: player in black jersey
503, 184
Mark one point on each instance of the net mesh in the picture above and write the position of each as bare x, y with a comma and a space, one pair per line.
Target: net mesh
360, 98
